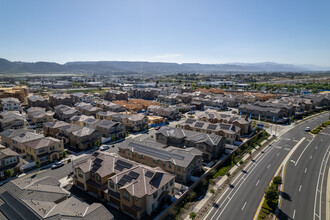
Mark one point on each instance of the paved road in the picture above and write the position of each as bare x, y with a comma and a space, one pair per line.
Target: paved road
243, 195
304, 182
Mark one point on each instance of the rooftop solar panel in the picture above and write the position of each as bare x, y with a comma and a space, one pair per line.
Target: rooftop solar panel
155, 152
212, 127
190, 121
95, 154
98, 161
118, 167
149, 174
224, 126
199, 124
133, 174
124, 164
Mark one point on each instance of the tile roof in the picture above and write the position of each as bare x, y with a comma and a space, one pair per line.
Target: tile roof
42, 142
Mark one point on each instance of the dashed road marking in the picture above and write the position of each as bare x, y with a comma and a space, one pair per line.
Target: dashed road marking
243, 206
305, 170
257, 183
300, 188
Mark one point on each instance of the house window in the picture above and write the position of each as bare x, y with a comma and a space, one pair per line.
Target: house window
80, 174
98, 178
51, 147
41, 150
169, 165
126, 196
112, 185
136, 198
171, 183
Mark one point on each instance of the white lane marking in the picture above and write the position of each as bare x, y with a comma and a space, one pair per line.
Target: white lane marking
292, 161
305, 170
315, 147
287, 149
268, 166
302, 153
300, 188
278, 147
317, 184
311, 157
257, 183
294, 214
321, 139
287, 139
277, 154
243, 206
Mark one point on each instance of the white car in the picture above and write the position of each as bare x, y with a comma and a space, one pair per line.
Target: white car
308, 129
57, 165
104, 147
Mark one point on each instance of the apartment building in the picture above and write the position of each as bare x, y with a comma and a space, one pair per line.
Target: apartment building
19, 92
183, 163
211, 145
229, 131
10, 104
144, 93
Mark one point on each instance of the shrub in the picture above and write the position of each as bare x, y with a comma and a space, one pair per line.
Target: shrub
212, 191
38, 163
64, 154
192, 215
9, 173
241, 162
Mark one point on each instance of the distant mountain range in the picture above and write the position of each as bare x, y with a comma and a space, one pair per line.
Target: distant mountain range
148, 67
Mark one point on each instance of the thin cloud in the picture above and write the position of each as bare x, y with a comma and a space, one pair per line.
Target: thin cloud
168, 56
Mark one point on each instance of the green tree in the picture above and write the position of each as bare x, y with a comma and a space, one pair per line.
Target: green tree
9, 173
113, 138
271, 193
277, 180
127, 133
38, 163
315, 90
64, 154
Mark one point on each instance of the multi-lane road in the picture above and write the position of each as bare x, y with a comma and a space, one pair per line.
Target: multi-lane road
243, 195
304, 194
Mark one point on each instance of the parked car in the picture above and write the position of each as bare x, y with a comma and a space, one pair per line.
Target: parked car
104, 147
57, 165
308, 129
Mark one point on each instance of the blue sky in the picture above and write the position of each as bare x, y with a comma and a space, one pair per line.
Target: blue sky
205, 31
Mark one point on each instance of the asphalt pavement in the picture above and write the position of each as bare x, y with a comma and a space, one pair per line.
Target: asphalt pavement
304, 182
243, 195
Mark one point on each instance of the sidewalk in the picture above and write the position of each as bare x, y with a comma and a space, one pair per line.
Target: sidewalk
65, 181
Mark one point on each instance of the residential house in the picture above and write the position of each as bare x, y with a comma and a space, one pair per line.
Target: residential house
112, 95
59, 99
81, 97
38, 116
229, 131
79, 120
110, 106
9, 159
211, 145
64, 112
170, 112
136, 122
111, 129
38, 101
43, 198
7, 135
10, 104
183, 163
11, 120
244, 123
52, 128
84, 138
45, 149
133, 188
87, 109
64, 133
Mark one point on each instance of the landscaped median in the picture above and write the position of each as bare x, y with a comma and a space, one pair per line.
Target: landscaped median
320, 127
270, 202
